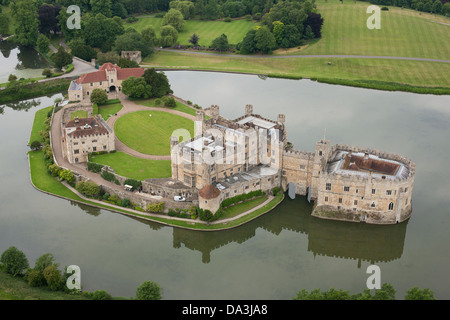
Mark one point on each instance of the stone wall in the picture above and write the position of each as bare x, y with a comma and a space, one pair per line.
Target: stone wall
68, 109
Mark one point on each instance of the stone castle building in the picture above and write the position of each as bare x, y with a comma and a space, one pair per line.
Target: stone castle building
231, 157
84, 136
108, 78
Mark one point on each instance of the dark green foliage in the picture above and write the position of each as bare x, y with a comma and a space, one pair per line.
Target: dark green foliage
101, 295
194, 39
169, 102
87, 188
101, 32
148, 291
82, 50
43, 44
419, 294
99, 96
53, 277
35, 145
26, 20
276, 190
108, 176
94, 167
14, 261
134, 183
125, 63
35, 278
61, 58
220, 43
245, 196
158, 81
136, 88
124, 203
132, 40
47, 72
169, 36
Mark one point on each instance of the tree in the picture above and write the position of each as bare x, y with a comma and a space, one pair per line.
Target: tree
419, 294
12, 77
81, 50
101, 6
53, 277
136, 88
194, 39
4, 24
35, 145
169, 36
185, 7
99, 96
309, 34
67, 175
88, 188
446, 9
132, 40
100, 32
220, 43
149, 35
265, 40
110, 56
61, 58
248, 44
43, 43
44, 261
27, 23
158, 81
148, 290
47, 72
15, 261
436, 7
278, 31
174, 18
35, 278
48, 18
315, 21
125, 63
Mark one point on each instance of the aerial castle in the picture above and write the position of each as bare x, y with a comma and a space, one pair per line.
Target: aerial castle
230, 157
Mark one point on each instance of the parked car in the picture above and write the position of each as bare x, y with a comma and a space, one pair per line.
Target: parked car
179, 198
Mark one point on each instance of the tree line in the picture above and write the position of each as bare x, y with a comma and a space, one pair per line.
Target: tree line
46, 274
432, 6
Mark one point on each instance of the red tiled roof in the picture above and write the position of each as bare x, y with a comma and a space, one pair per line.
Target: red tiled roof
125, 73
100, 75
209, 192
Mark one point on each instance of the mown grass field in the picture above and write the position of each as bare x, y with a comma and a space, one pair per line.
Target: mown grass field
108, 109
135, 168
403, 33
179, 107
242, 207
38, 124
206, 30
150, 134
79, 114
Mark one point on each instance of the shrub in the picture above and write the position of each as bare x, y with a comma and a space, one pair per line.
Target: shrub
106, 196
205, 215
69, 68
53, 277
14, 261
169, 102
88, 188
99, 96
35, 278
385, 8
189, 102
101, 295
156, 207
124, 203
228, 202
35, 145
227, 19
108, 176
47, 72
276, 190
113, 199
134, 183
66, 175
148, 291
94, 167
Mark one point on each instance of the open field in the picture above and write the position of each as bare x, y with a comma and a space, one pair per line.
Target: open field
38, 124
108, 109
79, 114
150, 134
135, 168
180, 107
206, 30
403, 33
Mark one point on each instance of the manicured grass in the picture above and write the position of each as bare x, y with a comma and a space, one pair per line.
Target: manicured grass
43, 180
242, 207
206, 30
38, 124
403, 33
79, 113
108, 109
180, 107
415, 73
150, 134
135, 168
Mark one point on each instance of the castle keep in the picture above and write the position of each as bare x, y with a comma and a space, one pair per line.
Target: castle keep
231, 157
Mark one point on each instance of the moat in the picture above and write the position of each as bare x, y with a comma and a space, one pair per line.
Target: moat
281, 252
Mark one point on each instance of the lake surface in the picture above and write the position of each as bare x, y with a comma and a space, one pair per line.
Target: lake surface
22, 61
278, 254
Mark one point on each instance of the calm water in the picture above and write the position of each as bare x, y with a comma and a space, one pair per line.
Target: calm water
22, 61
278, 254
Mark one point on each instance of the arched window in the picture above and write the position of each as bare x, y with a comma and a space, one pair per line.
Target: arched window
391, 206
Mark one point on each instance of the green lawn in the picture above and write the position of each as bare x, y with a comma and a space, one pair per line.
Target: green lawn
180, 106
108, 109
38, 124
403, 33
150, 134
242, 207
79, 113
43, 180
135, 168
206, 30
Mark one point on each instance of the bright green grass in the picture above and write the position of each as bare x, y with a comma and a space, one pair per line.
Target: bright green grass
403, 33
38, 124
150, 135
206, 30
180, 106
417, 73
79, 113
135, 168
108, 109
242, 207
43, 180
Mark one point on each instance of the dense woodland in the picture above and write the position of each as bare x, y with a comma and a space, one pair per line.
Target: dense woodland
102, 35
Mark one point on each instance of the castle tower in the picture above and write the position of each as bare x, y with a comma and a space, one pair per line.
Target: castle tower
281, 118
199, 119
215, 112
174, 156
320, 160
248, 109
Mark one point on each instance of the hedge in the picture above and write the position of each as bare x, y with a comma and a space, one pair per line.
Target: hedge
230, 201
94, 167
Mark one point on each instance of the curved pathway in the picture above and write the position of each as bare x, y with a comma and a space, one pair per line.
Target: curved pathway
129, 107
302, 56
